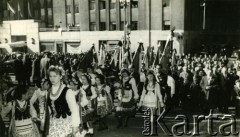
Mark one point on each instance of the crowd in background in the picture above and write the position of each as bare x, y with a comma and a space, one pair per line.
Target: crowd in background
195, 83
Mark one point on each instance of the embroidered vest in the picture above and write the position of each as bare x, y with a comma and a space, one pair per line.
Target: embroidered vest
88, 91
22, 113
60, 105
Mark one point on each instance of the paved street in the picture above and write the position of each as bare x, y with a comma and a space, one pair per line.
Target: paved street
136, 124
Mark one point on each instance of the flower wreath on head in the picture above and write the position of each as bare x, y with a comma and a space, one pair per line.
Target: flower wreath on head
59, 68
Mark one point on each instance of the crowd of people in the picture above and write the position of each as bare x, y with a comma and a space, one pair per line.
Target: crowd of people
69, 99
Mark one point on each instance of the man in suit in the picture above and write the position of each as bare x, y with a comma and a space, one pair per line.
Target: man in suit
19, 68
44, 65
134, 74
36, 77
225, 92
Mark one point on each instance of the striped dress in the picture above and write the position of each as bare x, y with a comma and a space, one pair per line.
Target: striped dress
22, 124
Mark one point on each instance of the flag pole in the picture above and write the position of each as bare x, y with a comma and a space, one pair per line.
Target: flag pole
113, 56
9, 14
169, 37
18, 9
8, 11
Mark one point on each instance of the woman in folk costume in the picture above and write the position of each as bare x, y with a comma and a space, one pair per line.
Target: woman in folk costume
151, 96
81, 98
41, 95
64, 115
75, 85
117, 95
104, 101
151, 99
21, 124
7, 97
89, 110
128, 100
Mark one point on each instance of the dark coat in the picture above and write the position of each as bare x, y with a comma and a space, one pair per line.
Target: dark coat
19, 68
36, 69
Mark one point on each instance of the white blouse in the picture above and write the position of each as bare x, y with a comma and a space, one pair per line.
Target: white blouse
38, 95
72, 104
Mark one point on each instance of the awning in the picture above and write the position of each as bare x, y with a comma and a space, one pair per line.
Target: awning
113, 42
18, 44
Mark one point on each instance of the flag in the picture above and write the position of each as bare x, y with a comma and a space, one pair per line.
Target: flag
151, 56
102, 55
121, 54
95, 55
120, 58
174, 60
29, 9
137, 58
10, 8
87, 60
19, 10
158, 55
164, 60
127, 56
114, 59
146, 59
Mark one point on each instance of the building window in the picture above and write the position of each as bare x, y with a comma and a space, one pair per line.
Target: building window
76, 9
112, 4
102, 4
122, 25
92, 5
36, 14
49, 3
50, 18
43, 14
166, 27
166, 3
134, 4
102, 26
113, 26
93, 26
134, 25
68, 9
166, 15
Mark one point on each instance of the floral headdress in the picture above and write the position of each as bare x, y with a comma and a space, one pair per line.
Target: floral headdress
57, 69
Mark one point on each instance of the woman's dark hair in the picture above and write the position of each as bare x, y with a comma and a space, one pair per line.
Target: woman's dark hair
75, 83
19, 91
48, 81
38, 83
147, 81
88, 78
101, 78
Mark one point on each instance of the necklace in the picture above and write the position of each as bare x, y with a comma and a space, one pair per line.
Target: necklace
22, 109
54, 95
151, 85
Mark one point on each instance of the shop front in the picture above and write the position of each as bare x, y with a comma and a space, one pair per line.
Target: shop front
73, 47
19, 46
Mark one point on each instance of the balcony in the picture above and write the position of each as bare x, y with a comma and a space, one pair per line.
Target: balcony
66, 29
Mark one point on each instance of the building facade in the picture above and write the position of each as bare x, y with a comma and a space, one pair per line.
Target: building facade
74, 25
